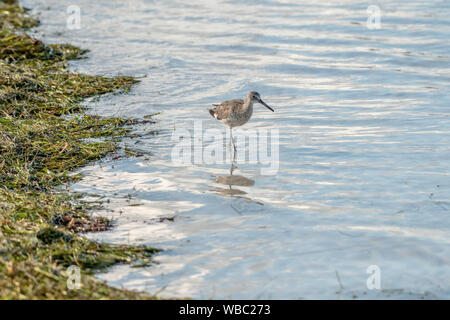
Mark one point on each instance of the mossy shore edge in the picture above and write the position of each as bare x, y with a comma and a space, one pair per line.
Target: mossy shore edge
39, 149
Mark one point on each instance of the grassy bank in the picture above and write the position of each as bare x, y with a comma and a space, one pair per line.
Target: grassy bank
39, 226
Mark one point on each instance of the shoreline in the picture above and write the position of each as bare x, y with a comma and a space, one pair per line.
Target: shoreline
39, 225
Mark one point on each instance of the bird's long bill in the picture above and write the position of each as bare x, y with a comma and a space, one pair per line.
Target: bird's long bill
265, 105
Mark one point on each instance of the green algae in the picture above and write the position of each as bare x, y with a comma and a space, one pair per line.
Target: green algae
39, 151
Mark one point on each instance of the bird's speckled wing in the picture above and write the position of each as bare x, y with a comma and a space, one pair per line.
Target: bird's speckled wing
224, 110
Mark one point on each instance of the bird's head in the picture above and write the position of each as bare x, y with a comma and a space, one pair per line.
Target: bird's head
254, 97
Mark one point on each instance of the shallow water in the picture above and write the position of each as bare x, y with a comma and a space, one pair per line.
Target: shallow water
364, 145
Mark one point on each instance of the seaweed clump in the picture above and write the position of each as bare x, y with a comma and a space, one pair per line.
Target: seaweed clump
39, 149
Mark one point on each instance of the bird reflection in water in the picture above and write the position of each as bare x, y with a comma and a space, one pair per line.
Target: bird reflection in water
240, 203
233, 180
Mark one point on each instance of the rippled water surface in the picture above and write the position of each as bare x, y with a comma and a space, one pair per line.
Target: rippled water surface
364, 131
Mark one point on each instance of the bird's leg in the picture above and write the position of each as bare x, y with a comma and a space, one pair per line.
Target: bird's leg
229, 145
234, 148
232, 140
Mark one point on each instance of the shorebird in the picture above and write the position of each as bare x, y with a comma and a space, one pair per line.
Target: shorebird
235, 113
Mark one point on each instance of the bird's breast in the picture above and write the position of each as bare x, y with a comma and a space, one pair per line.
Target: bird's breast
240, 117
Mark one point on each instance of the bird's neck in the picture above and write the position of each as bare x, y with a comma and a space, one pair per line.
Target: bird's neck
248, 104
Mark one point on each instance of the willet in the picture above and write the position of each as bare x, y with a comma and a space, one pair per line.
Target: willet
235, 113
